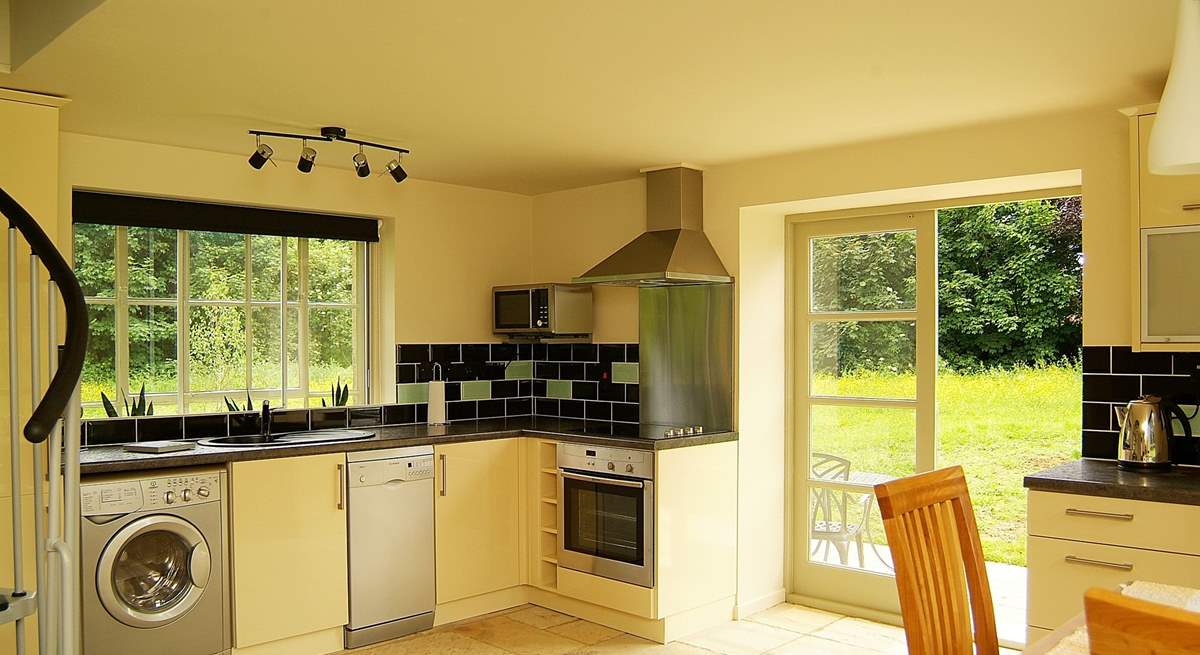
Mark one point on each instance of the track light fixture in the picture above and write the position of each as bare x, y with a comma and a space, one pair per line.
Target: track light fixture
308, 156
396, 170
361, 165
262, 152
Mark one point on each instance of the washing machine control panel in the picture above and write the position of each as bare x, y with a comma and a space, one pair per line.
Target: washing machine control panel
153, 494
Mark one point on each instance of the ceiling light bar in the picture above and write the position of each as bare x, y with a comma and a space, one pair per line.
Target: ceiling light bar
308, 155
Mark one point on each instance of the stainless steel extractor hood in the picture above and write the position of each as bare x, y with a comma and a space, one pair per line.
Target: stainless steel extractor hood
673, 250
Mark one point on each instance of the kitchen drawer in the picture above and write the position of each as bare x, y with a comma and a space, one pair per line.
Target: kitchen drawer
1056, 583
1115, 521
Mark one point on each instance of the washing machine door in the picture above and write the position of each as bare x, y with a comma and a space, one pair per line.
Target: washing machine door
153, 571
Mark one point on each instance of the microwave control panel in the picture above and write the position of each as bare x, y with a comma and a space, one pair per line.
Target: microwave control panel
621, 462
540, 308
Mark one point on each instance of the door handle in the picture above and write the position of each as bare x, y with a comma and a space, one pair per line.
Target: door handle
1071, 511
1192, 206
341, 486
442, 459
599, 480
1083, 561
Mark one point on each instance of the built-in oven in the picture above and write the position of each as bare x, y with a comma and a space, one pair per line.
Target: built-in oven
606, 512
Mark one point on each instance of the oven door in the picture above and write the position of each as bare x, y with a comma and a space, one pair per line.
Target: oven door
512, 311
606, 526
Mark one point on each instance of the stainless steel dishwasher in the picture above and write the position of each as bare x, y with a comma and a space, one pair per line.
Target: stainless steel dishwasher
391, 543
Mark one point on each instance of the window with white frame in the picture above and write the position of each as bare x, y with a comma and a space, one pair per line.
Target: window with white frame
203, 319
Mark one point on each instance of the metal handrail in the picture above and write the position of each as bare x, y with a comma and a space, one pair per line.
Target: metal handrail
62, 386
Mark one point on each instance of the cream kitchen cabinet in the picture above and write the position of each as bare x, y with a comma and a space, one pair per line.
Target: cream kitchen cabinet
1077, 542
477, 517
288, 529
1165, 241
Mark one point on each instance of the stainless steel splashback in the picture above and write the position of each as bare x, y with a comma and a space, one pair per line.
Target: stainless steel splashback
686, 351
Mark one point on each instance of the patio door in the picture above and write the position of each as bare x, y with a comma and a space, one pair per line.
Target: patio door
865, 359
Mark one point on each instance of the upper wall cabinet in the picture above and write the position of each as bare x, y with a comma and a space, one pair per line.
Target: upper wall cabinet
1165, 247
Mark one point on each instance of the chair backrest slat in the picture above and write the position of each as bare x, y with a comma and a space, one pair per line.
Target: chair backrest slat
940, 572
1120, 625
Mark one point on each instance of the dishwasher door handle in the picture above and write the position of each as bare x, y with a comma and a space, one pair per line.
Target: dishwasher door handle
341, 486
442, 459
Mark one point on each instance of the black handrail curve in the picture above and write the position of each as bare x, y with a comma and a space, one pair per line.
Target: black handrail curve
53, 405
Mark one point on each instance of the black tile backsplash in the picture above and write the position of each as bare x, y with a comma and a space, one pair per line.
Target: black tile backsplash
114, 431
1125, 360
585, 368
289, 420
1114, 375
326, 418
103, 432
159, 428
205, 426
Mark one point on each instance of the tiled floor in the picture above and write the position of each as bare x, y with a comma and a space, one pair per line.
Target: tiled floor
530, 630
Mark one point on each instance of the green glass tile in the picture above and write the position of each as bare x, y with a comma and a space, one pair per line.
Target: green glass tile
412, 393
625, 372
519, 370
558, 388
477, 390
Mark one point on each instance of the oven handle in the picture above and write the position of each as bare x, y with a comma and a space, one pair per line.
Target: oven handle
592, 478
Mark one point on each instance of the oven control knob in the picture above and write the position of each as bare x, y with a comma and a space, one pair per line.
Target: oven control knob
362, 478
186, 495
202, 492
611, 466
169, 497
629, 468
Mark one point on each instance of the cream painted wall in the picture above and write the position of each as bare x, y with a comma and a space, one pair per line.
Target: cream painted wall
577, 228
750, 240
752, 244
29, 133
443, 248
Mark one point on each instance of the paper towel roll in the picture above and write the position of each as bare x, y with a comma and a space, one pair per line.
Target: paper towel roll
437, 402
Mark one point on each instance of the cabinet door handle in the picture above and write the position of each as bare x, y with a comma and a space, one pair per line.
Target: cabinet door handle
341, 486
442, 459
1091, 513
1083, 561
1192, 206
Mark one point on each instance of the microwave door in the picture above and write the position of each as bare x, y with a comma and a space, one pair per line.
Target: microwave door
513, 310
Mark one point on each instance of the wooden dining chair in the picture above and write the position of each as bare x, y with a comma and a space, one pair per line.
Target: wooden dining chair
1120, 625
940, 571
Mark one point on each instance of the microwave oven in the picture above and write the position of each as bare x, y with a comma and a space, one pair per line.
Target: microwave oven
542, 310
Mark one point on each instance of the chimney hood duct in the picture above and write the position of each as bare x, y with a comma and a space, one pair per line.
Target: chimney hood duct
673, 250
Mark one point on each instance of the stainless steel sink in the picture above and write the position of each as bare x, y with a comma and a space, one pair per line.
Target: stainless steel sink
293, 439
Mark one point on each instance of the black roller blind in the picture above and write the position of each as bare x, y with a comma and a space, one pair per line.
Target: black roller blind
141, 211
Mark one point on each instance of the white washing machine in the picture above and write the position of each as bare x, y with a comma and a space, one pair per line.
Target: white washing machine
154, 565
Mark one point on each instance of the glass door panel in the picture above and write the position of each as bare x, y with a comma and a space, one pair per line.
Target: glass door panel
865, 359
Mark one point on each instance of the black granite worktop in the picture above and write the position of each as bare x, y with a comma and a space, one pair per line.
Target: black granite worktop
110, 459
1094, 477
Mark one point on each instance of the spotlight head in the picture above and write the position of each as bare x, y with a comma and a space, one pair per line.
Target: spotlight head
261, 154
360, 165
308, 157
396, 170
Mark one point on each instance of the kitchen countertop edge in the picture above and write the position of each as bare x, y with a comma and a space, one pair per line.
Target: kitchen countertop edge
1093, 477
114, 459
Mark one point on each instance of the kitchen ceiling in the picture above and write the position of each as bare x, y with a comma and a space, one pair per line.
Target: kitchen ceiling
533, 96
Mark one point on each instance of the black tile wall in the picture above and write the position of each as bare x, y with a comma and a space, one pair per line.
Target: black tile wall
160, 428
115, 431
587, 368
1114, 375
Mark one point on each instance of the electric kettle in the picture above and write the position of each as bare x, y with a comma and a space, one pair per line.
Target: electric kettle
1146, 430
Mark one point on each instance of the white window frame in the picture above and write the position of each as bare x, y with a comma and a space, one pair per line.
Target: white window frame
122, 304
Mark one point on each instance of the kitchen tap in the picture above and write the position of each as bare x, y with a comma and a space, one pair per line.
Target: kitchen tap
266, 420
